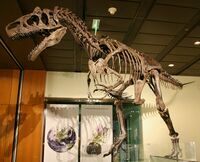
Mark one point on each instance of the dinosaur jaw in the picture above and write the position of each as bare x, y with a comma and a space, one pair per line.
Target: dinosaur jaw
17, 34
51, 36
39, 48
36, 51
52, 39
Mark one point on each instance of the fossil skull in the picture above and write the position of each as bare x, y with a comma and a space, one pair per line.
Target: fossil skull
44, 22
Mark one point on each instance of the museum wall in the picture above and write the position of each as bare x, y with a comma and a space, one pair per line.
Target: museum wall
183, 107
9, 80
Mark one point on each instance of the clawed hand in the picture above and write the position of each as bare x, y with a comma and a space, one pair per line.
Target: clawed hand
113, 93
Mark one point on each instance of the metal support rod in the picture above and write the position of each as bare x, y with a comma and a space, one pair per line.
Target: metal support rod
18, 104
13, 57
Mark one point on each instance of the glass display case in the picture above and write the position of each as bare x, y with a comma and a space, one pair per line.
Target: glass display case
165, 159
189, 154
98, 124
96, 116
132, 149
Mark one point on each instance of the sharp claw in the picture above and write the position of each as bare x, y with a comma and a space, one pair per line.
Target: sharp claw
103, 90
106, 154
96, 90
89, 95
101, 85
115, 147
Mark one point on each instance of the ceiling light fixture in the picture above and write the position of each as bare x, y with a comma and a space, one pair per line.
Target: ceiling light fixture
197, 43
171, 65
112, 10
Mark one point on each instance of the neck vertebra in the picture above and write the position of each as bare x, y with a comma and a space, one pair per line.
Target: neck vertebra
79, 31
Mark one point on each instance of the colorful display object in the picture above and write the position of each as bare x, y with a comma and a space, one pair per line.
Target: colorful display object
61, 133
107, 58
96, 132
61, 139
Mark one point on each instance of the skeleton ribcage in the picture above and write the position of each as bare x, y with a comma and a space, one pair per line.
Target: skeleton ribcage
122, 59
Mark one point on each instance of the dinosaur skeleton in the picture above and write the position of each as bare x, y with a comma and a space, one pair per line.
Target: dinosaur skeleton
107, 57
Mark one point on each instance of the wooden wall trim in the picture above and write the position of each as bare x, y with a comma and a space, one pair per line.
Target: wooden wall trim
30, 137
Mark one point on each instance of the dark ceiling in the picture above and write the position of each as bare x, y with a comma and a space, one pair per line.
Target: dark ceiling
164, 29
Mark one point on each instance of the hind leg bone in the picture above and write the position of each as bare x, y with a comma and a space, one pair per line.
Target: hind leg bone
122, 136
138, 86
164, 113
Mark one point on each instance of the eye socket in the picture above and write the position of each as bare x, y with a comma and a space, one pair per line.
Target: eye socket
13, 25
33, 19
44, 19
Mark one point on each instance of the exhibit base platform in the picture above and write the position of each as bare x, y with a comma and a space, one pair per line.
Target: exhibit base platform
165, 159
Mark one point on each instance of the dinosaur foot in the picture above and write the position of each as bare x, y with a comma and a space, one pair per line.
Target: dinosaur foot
116, 146
139, 101
176, 150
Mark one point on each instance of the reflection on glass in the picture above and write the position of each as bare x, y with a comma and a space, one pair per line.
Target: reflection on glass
131, 149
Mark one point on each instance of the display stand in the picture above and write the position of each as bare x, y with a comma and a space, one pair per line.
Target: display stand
165, 159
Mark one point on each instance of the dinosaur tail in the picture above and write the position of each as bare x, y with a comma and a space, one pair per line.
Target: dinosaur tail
167, 79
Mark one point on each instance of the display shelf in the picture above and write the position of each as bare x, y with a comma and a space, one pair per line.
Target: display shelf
165, 159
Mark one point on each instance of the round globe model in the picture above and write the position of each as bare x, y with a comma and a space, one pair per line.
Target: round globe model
61, 139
